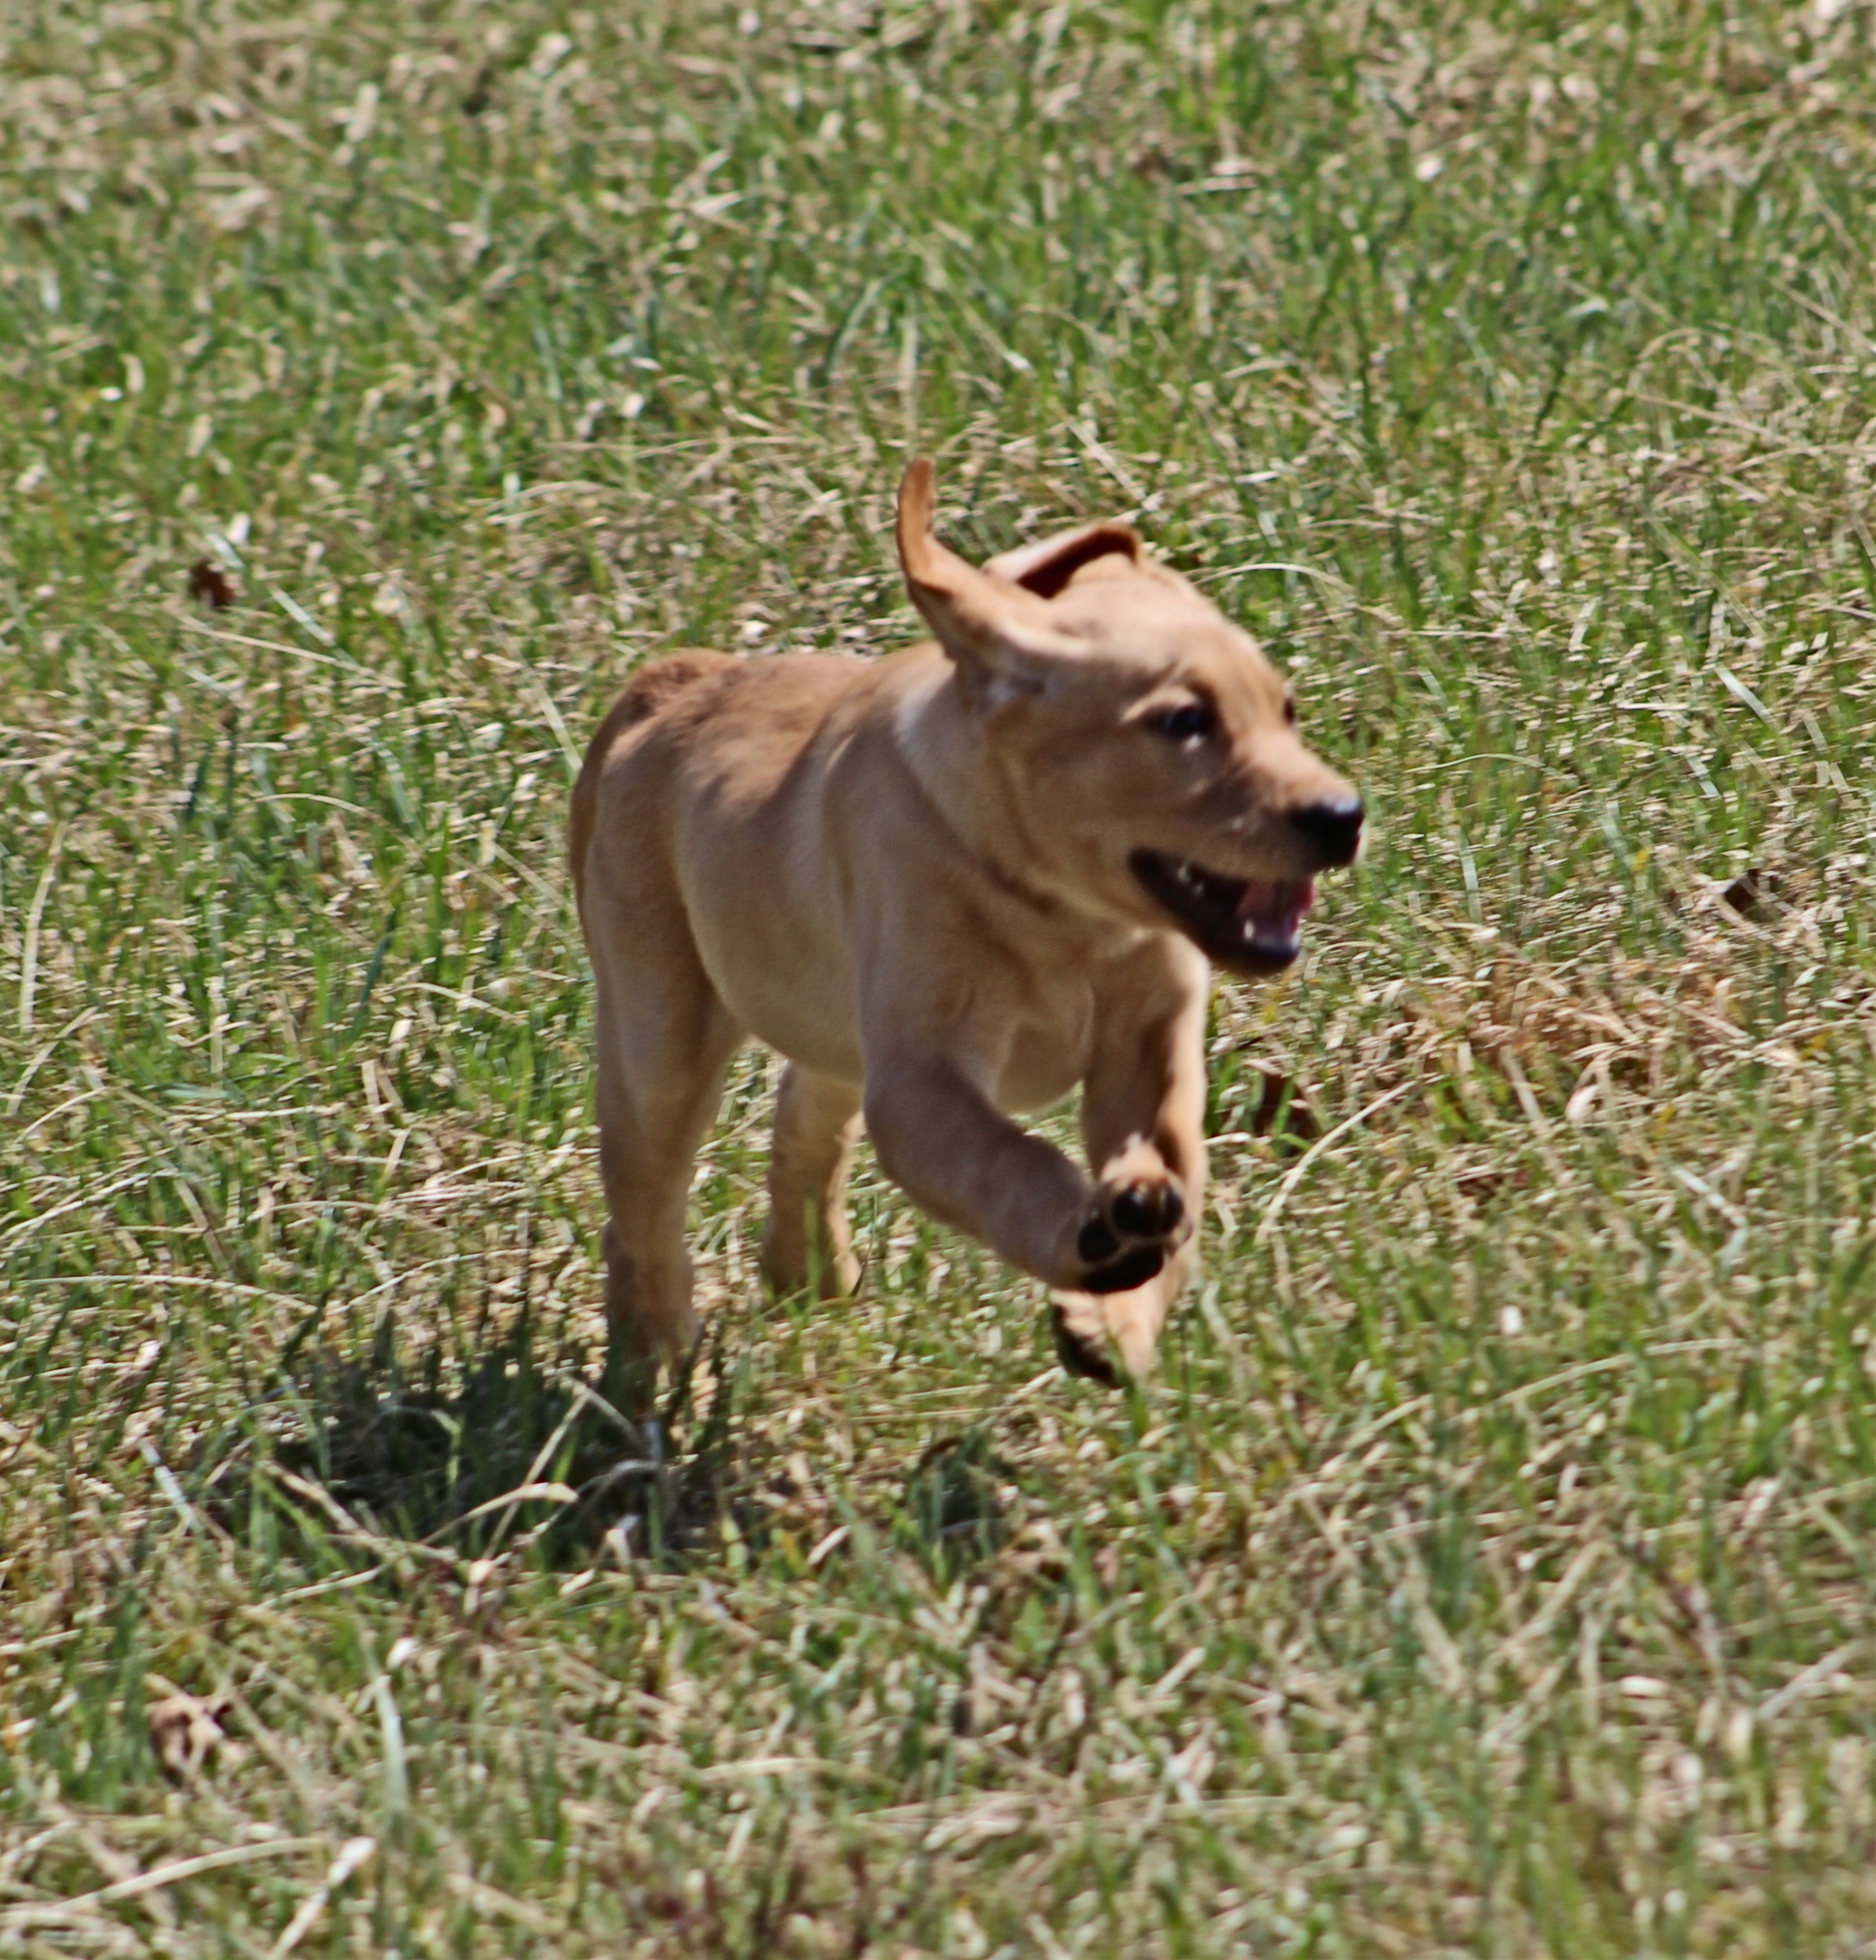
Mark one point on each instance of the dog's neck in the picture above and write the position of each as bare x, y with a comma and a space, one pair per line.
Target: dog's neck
935, 731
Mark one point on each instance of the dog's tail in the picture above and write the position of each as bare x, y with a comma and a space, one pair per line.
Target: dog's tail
649, 691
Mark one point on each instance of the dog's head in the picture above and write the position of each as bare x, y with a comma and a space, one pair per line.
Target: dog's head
1148, 746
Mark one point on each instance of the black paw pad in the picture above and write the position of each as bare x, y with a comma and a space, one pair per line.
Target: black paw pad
1149, 1211
1135, 1268
1097, 1244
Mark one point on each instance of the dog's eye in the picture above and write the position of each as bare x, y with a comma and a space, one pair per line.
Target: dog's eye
1289, 709
1191, 722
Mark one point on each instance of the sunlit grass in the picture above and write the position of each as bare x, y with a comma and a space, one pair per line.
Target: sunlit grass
1487, 1570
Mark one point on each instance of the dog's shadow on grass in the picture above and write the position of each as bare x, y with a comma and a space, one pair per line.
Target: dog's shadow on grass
366, 1458
953, 1511
522, 1455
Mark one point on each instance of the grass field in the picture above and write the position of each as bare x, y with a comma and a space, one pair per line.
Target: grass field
1489, 1570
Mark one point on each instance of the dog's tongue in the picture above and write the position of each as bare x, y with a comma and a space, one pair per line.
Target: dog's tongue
1272, 908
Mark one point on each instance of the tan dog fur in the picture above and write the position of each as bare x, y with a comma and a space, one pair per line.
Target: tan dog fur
921, 879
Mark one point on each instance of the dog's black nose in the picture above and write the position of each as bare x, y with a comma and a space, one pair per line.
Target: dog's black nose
1334, 828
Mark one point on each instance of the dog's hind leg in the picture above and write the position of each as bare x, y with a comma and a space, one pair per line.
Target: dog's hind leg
664, 1042
806, 1243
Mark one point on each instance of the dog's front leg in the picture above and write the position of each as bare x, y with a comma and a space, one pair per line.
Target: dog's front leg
942, 1139
1142, 1115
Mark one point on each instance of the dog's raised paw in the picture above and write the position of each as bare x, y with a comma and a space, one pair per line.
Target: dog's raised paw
1134, 1268
1148, 1210
1098, 1241
1126, 1240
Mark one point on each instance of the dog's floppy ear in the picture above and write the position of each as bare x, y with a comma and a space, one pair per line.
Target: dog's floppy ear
1046, 567
993, 626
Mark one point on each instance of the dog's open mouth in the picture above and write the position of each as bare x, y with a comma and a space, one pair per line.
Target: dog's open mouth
1251, 924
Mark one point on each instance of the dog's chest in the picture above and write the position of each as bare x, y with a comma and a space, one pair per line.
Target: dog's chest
1050, 1049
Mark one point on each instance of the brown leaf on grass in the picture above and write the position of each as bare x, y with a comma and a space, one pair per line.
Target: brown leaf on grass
1282, 1111
208, 582
1752, 894
1481, 1186
482, 90
185, 1732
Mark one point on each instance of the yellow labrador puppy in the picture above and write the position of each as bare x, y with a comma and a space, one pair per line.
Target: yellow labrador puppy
946, 885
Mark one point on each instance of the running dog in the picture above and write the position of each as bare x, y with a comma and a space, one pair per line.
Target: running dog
948, 885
